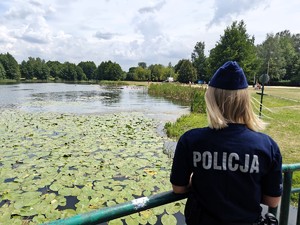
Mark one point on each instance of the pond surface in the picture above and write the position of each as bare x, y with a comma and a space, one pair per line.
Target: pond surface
88, 99
63, 149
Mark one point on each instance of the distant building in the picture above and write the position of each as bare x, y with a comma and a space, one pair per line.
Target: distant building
170, 79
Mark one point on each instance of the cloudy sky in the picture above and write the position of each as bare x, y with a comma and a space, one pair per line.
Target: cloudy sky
132, 31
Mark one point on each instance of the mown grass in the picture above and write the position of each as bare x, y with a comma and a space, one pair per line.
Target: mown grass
283, 92
7, 81
281, 110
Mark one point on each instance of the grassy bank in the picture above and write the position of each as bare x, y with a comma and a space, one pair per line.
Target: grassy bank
6, 81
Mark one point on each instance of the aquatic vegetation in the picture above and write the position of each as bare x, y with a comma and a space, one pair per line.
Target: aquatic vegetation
56, 165
190, 95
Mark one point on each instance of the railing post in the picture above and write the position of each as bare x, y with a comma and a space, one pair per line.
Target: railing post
298, 213
286, 195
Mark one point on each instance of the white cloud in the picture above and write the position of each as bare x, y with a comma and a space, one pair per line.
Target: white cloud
156, 7
104, 35
226, 10
131, 31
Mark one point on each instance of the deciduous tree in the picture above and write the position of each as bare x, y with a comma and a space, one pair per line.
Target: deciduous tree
68, 72
142, 64
236, 45
2, 72
187, 73
35, 68
88, 68
55, 67
157, 71
11, 66
198, 60
109, 71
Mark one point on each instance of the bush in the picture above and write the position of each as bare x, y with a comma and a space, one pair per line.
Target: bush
198, 101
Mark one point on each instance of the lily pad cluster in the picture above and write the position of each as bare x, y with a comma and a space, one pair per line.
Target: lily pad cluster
55, 165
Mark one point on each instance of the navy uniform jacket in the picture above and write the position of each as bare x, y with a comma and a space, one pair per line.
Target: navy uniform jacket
232, 168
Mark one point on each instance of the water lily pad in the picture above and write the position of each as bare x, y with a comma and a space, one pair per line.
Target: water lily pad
99, 159
131, 221
39, 219
173, 208
116, 222
168, 219
152, 219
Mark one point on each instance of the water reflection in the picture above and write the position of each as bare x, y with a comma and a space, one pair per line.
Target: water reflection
85, 99
78, 96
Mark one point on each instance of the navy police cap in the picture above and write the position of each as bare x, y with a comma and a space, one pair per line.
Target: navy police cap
230, 76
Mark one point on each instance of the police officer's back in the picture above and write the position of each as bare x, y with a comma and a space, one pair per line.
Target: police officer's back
229, 168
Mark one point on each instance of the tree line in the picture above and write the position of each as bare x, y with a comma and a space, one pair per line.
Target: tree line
278, 56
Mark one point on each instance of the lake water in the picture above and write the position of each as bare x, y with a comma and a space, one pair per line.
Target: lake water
87, 99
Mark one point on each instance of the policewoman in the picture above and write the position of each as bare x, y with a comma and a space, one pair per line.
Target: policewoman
229, 168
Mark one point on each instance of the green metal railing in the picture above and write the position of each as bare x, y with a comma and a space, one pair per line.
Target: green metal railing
140, 204
288, 170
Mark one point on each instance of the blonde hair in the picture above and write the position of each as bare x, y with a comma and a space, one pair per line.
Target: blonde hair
231, 106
